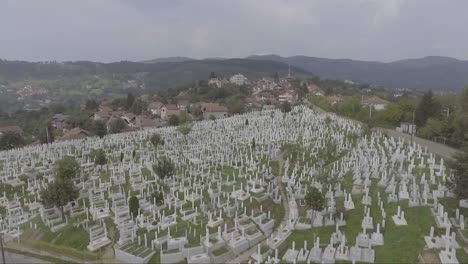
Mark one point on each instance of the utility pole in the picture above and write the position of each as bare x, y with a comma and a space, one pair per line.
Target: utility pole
413, 128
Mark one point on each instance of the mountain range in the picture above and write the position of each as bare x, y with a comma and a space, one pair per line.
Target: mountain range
434, 72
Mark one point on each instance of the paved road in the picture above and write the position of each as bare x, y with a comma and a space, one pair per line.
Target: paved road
437, 148
15, 258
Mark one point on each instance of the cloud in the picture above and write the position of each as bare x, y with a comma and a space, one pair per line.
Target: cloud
112, 30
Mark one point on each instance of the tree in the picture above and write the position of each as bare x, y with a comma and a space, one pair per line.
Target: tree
285, 107
212, 75
246, 122
59, 193
173, 120
428, 107
253, 143
91, 105
116, 126
185, 129
164, 168
302, 90
156, 140
315, 199
46, 134
67, 168
138, 107
133, 206
459, 166
99, 129
184, 117
129, 101
158, 197
99, 157
121, 156
11, 140
391, 115
465, 99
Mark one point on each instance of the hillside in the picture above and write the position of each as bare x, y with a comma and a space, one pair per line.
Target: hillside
437, 73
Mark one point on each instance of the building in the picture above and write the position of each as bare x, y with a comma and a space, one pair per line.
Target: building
238, 79
213, 110
59, 121
287, 96
169, 110
146, 121
376, 102
130, 119
155, 108
75, 133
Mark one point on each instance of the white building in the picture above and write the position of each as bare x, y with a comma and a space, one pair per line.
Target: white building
238, 79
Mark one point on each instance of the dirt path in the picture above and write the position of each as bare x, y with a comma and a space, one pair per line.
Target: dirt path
436, 148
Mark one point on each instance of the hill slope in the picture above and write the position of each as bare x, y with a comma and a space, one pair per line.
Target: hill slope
438, 73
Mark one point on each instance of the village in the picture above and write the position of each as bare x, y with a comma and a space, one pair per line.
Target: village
237, 190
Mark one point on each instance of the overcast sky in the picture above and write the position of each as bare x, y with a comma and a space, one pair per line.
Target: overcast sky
114, 30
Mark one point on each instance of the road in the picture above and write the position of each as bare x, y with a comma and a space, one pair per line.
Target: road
15, 258
436, 148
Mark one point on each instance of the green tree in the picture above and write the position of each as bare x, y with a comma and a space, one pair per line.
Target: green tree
116, 126
46, 134
99, 157
164, 167
315, 199
138, 107
465, 99
156, 140
158, 197
11, 140
67, 168
129, 101
285, 107
133, 206
185, 129
91, 104
459, 166
253, 143
99, 129
173, 120
59, 193
121, 156
391, 115
428, 107
184, 117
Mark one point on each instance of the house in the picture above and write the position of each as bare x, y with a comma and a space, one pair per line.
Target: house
335, 99
315, 90
142, 121
11, 129
376, 102
238, 79
287, 96
265, 96
169, 110
155, 108
75, 133
59, 121
213, 110
183, 104
130, 119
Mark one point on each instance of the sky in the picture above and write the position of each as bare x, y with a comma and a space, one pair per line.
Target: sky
115, 30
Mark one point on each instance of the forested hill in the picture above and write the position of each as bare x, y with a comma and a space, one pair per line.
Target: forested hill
156, 76
437, 73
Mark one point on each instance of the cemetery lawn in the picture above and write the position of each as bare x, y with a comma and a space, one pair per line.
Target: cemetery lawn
70, 241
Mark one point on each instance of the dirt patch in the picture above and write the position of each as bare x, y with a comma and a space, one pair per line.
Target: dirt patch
428, 257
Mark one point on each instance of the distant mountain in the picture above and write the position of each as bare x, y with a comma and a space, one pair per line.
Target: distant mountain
168, 59
434, 72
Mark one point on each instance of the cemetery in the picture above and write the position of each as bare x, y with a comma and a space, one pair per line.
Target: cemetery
239, 187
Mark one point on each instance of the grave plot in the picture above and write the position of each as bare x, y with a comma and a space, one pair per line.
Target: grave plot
239, 186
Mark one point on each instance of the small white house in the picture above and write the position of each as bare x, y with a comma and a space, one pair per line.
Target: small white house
238, 79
